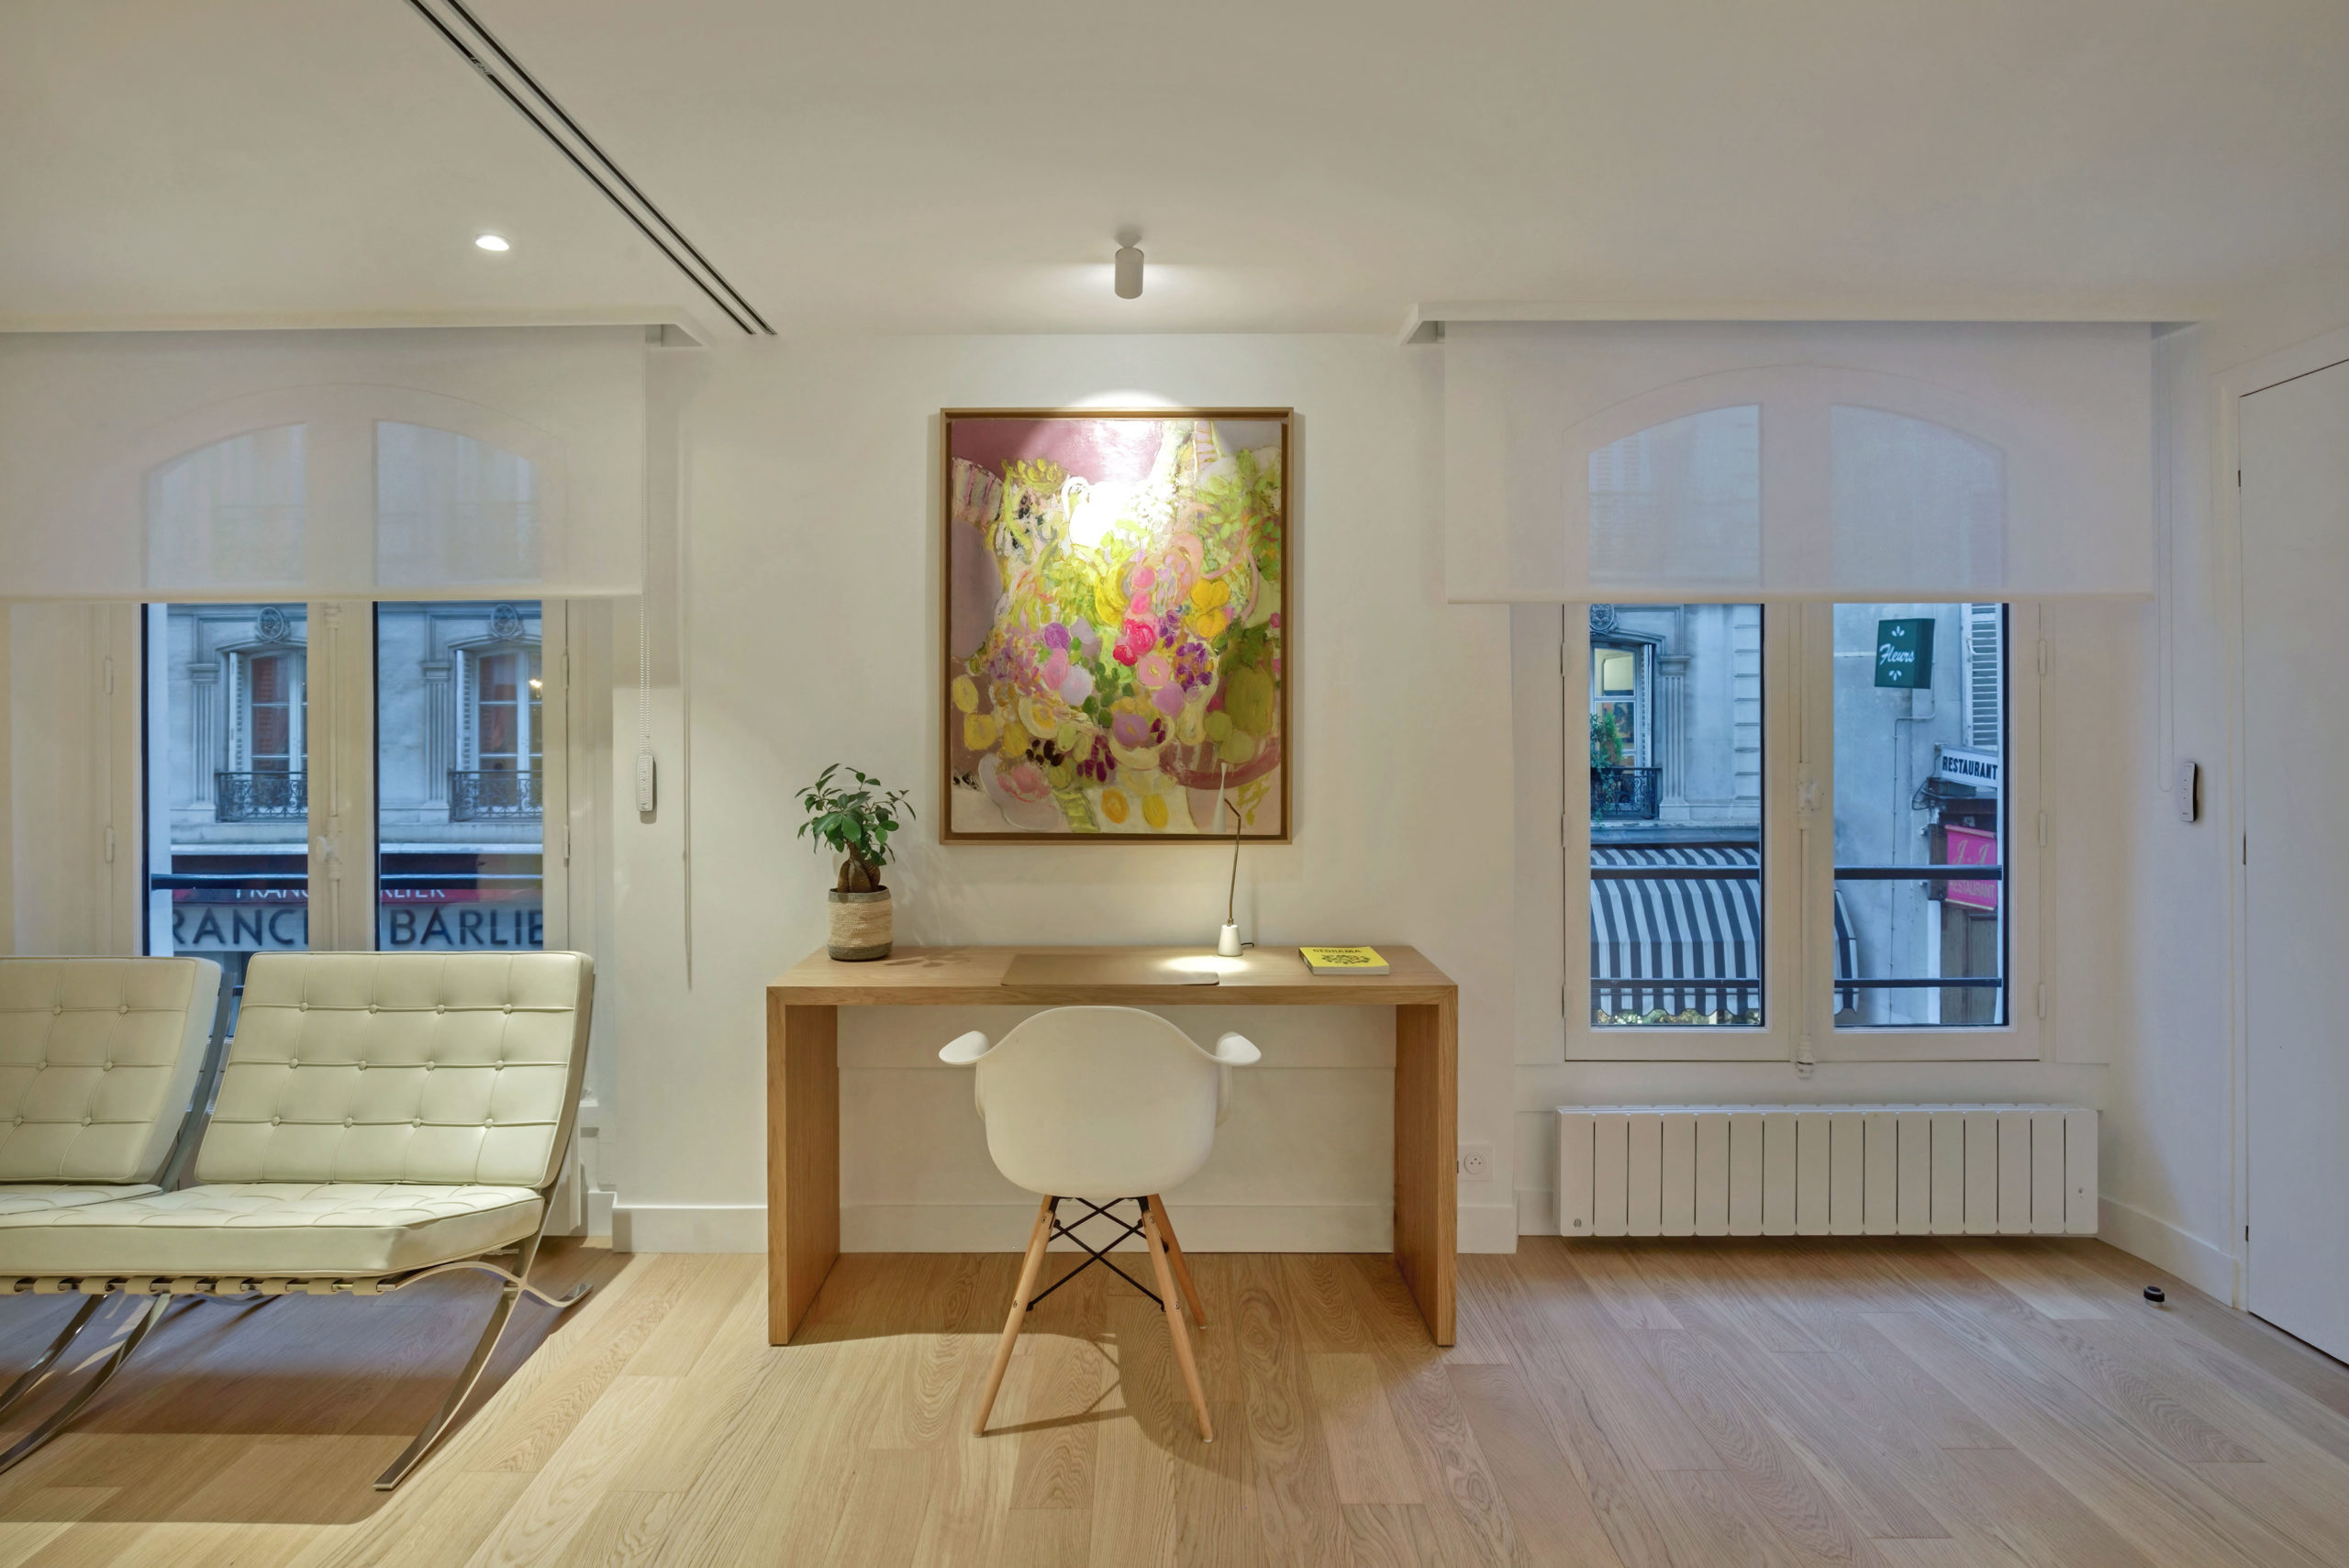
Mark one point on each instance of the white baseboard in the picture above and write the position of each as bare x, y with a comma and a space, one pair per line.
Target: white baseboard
1537, 1212
1488, 1228
1003, 1228
2206, 1268
2209, 1269
689, 1227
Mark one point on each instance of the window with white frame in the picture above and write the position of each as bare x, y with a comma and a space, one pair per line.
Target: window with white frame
1794, 832
460, 777
270, 730
269, 726
1675, 814
506, 729
1918, 754
228, 714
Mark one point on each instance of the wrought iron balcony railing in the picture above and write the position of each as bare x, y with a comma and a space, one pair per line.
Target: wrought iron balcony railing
494, 797
1624, 794
260, 797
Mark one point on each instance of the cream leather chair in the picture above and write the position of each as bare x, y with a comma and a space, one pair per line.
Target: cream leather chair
99, 1062
382, 1118
1102, 1105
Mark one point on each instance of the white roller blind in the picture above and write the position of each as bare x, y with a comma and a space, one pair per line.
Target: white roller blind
344, 464
1680, 460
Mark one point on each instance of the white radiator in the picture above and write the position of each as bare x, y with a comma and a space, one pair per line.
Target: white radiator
1826, 1171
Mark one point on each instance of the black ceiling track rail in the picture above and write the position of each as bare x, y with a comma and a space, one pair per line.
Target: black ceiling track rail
497, 66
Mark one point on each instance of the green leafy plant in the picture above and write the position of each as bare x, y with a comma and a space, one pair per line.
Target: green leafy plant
1606, 739
855, 823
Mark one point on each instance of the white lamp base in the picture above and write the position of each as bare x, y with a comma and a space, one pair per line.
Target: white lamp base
1226, 943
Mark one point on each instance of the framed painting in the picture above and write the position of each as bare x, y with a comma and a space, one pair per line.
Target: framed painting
1115, 626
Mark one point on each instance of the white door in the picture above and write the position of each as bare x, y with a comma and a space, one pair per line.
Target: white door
2296, 739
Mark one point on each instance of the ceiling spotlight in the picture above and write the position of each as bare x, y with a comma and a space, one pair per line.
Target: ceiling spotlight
1130, 271
491, 243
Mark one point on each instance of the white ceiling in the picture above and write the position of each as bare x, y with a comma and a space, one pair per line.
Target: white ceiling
1290, 164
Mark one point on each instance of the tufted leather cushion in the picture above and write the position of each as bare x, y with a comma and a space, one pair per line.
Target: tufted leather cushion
32, 1197
343, 1229
98, 1059
446, 1068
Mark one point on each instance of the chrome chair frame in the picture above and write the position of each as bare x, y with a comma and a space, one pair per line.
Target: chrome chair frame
515, 1284
177, 1170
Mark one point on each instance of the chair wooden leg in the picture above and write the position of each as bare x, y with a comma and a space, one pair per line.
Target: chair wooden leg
1174, 1256
1028, 1269
1175, 1321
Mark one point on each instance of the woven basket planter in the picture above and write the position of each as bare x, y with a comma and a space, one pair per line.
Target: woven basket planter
864, 925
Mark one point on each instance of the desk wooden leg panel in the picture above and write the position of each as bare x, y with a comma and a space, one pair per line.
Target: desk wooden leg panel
804, 1160
1427, 1137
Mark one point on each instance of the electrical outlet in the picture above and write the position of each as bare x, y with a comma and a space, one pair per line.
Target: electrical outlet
1475, 1161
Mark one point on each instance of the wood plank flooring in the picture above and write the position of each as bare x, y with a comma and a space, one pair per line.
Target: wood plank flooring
1911, 1403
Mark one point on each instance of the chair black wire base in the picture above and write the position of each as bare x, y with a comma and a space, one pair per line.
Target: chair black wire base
1099, 1211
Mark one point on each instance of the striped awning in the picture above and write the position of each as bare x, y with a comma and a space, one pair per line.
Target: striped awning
1687, 937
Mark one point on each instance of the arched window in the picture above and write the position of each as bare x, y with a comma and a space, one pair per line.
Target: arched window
273, 712
1689, 489
367, 492
1914, 501
1798, 480
452, 508
501, 728
230, 511
507, 731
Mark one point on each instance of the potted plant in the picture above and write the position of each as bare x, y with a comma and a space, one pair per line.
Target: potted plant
855, 824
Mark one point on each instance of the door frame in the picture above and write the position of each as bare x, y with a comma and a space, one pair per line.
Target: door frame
2228, 388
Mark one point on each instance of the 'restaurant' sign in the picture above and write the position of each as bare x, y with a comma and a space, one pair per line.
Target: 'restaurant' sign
1904, 654
1954, 764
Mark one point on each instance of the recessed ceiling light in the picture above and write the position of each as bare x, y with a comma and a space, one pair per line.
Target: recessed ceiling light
491, 243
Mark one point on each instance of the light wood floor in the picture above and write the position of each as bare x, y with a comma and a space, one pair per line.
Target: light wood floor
1919, 1403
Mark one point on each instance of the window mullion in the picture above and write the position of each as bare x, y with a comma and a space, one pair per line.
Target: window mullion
341, 745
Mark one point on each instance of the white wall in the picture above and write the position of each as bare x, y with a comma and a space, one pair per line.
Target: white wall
2171, 1188
794, 497
808, 494
800, 523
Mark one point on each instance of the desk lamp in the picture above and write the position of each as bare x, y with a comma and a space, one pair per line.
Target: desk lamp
1227, 941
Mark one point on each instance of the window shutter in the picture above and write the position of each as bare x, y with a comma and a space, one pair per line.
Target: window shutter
1984, 656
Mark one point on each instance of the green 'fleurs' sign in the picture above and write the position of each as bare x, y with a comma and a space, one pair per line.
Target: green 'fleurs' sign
1904, 654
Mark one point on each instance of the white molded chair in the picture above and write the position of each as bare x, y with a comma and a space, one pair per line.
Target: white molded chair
1102, 1105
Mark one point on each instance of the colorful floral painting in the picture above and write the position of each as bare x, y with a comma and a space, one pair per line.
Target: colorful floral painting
1115, 644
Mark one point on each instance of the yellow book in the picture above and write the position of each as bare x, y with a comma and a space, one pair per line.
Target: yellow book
1343, 961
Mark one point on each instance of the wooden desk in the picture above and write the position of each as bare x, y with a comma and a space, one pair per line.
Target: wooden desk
804, 1086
